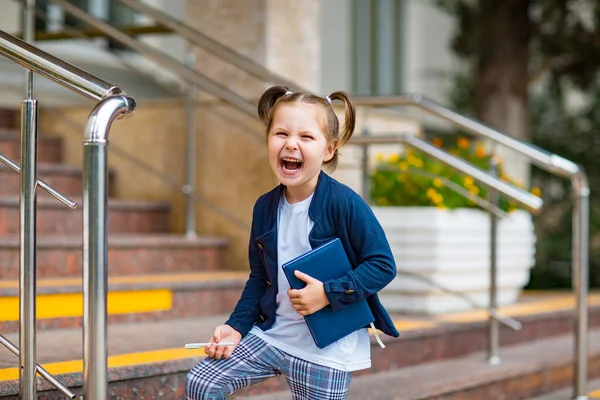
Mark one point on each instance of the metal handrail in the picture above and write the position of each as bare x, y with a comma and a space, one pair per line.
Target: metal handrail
526, 199
113, 104
190, 75
550, 162
554, 164
55, 69
198, 38
40, 370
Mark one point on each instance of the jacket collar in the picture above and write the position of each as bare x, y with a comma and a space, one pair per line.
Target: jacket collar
316, 204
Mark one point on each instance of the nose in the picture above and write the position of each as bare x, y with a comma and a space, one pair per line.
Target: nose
291, 143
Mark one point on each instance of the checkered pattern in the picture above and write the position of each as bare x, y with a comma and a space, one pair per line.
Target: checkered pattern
253, 361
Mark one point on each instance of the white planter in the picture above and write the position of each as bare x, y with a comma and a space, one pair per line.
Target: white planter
451, 249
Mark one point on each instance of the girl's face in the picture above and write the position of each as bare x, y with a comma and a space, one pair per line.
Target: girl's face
297, 148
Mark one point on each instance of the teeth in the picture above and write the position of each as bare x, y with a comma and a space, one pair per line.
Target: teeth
291, 160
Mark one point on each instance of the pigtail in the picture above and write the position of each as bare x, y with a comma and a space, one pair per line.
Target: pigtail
348, 128
267, 102
349, 116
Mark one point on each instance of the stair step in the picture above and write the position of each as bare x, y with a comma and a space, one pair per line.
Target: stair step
68, 180
53, 217
526, 370
567, 393
147, 357
139, 254
49, 147
130, 298
8, 118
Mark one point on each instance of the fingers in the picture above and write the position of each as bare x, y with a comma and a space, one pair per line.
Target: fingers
304, 277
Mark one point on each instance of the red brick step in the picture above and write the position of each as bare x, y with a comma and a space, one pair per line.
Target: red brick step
61, 256
68, 180
53, 217
49, 147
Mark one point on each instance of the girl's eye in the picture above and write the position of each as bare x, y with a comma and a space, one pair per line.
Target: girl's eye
280, 134
309, 137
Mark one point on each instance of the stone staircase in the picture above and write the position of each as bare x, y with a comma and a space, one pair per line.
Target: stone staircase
166, 290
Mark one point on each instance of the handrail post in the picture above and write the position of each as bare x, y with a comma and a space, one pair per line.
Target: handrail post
494, 324
95, 243
27, 226
27, 259
580, 281
366, 178
190, 176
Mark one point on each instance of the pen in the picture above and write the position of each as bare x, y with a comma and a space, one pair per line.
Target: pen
201, 345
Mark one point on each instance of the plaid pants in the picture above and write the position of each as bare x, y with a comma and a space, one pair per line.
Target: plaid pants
254, 361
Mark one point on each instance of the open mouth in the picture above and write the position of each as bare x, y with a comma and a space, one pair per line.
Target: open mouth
290, 164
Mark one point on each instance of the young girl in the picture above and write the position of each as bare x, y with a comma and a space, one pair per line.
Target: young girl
307, 209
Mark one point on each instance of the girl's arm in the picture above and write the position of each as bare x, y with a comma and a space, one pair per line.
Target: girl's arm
247, 310
361, 234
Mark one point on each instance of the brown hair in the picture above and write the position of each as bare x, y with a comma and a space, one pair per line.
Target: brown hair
277, 95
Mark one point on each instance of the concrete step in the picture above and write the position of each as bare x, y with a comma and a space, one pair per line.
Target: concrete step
435, 356
68, 180
130, 298
53, 217
49, 148
526, 370
139, 254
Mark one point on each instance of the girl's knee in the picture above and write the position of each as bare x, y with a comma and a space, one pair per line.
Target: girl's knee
202, 387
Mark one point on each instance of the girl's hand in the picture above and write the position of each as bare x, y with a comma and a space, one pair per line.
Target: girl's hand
223, 333
311, 298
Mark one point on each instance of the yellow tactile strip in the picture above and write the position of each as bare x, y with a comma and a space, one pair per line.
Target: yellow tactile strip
70, 304
113, 362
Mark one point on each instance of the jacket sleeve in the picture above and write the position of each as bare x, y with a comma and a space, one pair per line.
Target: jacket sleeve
375, 263
247, 310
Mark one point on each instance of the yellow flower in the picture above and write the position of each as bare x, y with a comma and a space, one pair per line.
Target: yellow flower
403, 166
480, 152
414, 161
468, 181
536, 191
463, 143
394, 158
431, 193
380, 156
438, 183
474, 190
438, 199
441, 207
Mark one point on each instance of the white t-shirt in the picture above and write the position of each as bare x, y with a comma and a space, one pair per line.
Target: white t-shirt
290, 333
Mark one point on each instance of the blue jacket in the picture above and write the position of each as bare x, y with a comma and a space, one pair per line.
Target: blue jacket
337, 211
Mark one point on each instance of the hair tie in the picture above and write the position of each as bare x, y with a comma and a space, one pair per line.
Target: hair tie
328, 99
288, 92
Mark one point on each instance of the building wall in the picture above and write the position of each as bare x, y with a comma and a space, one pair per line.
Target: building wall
10, 17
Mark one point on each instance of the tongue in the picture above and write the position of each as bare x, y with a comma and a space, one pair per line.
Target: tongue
291, 165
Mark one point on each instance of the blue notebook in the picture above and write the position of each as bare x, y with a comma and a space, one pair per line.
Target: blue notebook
326, 262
